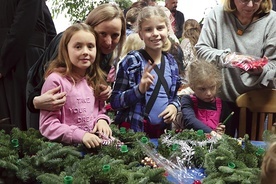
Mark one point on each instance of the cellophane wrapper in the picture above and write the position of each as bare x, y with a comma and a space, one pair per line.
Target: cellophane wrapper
246, 62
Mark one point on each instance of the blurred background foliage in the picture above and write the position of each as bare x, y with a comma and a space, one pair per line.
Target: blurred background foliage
77, 10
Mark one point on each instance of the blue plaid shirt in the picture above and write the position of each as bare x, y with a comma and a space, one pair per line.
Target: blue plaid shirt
126, 97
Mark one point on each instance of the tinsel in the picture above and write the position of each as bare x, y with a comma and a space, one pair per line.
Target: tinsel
186, 148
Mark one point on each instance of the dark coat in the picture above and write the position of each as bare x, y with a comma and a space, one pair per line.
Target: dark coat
179, 18
22, 41
274, 5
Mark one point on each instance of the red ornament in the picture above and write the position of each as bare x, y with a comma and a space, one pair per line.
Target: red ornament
197, 182
178, 130
208, 136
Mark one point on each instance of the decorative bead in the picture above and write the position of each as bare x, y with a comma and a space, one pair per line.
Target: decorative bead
239, 32
197, 182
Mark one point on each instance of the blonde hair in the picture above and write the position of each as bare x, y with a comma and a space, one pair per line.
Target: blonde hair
201, 71
151, 11
268, 169
63, 65
191, 30
108, 12
265, 7
131, 15
133, 42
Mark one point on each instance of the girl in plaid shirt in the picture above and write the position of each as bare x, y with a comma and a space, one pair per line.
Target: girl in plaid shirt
137, 79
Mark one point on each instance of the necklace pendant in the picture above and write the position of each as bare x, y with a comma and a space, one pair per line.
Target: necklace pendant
239, 32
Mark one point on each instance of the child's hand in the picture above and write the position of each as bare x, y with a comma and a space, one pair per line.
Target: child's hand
169, 114
147, 78
91, 140
220, 129
102, 127
215, 134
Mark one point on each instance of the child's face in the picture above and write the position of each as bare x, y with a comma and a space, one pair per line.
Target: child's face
82, 51
154, 32
206, 91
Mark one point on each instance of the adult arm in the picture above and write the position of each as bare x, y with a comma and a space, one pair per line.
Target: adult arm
36, 73
207, 43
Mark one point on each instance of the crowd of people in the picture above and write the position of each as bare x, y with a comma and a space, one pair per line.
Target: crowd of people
152, 66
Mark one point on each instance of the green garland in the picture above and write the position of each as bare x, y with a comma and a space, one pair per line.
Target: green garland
226, 161
35, 159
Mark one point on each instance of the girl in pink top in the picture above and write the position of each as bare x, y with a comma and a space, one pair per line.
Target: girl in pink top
83, 113
204, 110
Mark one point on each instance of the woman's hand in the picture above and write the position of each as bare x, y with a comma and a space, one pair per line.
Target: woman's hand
238, 58
169, 114
91, 140
103, 128
52, 100
147, 78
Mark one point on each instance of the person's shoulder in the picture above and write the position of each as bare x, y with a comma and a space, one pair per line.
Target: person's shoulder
179, 12
132, 58
184, 42
55, 76
53, 80
272, 15
217, 10
187, 99
272, 12
133, 54
217, 13
170, 57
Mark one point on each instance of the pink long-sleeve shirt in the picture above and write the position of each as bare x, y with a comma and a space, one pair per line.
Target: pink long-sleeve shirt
79, 114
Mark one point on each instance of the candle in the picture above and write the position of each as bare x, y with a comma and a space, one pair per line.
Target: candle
229, 116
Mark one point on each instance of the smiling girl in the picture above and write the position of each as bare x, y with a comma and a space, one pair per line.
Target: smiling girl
146, 102
76, 70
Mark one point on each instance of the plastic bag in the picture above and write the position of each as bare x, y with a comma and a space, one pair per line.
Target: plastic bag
245, 62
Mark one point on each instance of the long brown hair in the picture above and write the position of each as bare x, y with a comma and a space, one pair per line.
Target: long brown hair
191, 30
63, 65
107, 12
